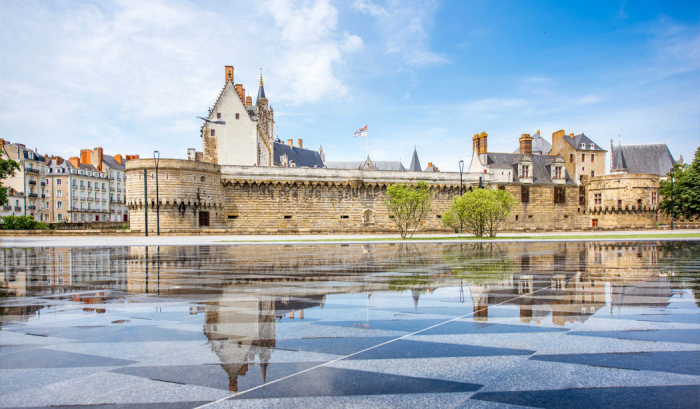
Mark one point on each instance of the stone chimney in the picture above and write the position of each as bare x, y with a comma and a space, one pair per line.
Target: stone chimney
290, 142
572, 134
229, 73
300, 143
75, 161
239, 91
97, 158
526, 144
86, 156
475, 144
191, 153
483, 145
118, 158
249, 100
557, 135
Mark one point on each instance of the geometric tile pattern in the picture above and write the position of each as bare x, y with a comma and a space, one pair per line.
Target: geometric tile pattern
552, 334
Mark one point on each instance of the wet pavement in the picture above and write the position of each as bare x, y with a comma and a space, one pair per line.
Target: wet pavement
549, 324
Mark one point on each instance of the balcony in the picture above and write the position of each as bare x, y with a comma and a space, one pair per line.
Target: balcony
32, 195
18, 209
31, 207
7, 208
111, 189
32, 182
119, 189
31, 170
104, 189
43, 196
82, 186
43, 184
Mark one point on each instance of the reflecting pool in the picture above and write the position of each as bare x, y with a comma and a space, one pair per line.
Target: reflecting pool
547, 324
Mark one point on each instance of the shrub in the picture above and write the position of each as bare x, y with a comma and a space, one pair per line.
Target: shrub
481, 212
22, 223
409, 205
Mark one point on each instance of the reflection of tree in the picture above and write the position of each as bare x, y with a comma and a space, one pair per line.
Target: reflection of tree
415, 268
679, 261
479, 263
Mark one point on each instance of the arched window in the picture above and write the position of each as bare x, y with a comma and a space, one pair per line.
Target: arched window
368, 216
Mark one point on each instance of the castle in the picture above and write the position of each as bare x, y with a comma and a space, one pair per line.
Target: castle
242, 182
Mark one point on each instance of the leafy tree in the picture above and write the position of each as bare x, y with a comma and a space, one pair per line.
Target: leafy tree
7, 169
22, 223
481, 211
409, 205
682, 197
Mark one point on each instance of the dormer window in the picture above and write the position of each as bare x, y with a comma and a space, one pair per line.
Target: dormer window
525, 171
591, 146
557, 172
582, 146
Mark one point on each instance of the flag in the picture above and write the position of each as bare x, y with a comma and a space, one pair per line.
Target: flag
361, 132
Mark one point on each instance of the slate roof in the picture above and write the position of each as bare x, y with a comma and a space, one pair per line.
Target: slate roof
653, 159
541, 164
577, 140
300, 156
112, 163
540, 145
261, 92
24, 153
430, 169
415, 163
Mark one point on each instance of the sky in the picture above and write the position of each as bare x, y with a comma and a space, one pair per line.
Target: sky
131, 76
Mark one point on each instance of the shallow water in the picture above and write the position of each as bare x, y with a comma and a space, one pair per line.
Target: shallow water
539, 324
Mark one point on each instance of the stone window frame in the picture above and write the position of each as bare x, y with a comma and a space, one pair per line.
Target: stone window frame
368, 216
559, 194
525, 194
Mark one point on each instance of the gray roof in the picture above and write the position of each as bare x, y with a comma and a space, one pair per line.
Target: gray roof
396, 166
415, 163
540, 145
112, 163
541, 166
300, 156
390, 165
430, 169
577, 140
618, 160
261, 92
655, 159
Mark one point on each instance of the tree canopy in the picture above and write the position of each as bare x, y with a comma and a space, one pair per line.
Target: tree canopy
481, 211
681, 191
7, 169
409, 205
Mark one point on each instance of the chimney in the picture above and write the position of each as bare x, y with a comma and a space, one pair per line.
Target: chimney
483, 147
97, 158
290, 142
300, 143
86, 156
475, 144
526, 144
3, 142
430, 164
229, 73
239, 90
191, 153
249, 100
118, 158
243, 95
538, 132
75, 161
572, 134
557, 135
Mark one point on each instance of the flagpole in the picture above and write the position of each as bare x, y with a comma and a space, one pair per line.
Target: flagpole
366, 149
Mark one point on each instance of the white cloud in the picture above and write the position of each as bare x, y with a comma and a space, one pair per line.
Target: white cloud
367, 7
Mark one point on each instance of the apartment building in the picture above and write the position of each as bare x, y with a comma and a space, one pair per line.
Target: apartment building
29, 181
14, 205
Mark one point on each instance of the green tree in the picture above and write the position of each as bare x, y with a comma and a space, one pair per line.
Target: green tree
409, 206
681, 197
481, 211
22, 223
7, 169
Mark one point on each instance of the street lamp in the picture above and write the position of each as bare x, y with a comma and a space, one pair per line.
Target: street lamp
156, 157
673, 205
461, 170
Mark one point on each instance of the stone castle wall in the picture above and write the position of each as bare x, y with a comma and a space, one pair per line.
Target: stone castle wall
626, 201
247, 200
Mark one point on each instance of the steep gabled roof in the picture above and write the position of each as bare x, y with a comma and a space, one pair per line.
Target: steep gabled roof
539, 145
300, 156
541, 166
396, 166
577, 140
112, 163
653, 159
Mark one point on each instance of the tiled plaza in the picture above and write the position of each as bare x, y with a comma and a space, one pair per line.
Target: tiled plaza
556, 324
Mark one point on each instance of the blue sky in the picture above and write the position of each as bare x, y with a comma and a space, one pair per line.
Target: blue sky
131, 76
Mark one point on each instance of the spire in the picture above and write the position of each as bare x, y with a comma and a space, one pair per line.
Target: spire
415, 163
619, 164
261, 90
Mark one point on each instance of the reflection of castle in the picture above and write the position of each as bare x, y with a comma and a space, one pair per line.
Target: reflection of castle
241, 327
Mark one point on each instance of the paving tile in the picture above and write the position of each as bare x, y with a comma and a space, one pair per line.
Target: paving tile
48, 358
682, 362
689, 336
418, 349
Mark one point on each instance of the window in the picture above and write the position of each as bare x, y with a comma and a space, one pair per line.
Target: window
653, 197
592, 157
619, 203
639, 202
203, 219
582, 195
598, 199
501, 187
59, 205
218, 115
202, 179
60, 217
559, 195
583, 157
213, 132
238, 116
82, 217
58, 182
594, 223
557, 172
592, 173
525, 171
525, 194
59, 193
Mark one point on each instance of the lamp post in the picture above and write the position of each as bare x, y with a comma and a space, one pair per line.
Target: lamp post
156, 157
673, 204
461, 170
145, 201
